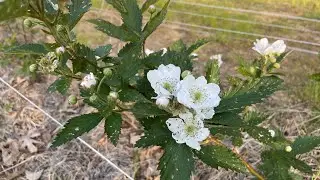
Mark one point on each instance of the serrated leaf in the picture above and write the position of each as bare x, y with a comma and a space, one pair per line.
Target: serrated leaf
129, 68
261, 134
275, 165
132, 95
131, 50
142, 110
177, 162
155, 21
76, 10
130, 13
112, 127
250, 94
305, 144
157, 135
112, 30
147, 4
254, 118
75, 127
103, 51
301, 166
144, 87
12, 9
61, 85
220, 156
196, 45
226, 118
38, 49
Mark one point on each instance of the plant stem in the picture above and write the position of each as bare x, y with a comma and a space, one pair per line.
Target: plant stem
248, 166
100, 83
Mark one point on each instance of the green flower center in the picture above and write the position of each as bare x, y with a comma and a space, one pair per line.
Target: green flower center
190, 130
197, 96
168, 87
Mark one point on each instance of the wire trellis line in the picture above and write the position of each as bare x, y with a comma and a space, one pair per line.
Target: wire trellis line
58, 123
244, 21
207, 32
249, 11
243, 33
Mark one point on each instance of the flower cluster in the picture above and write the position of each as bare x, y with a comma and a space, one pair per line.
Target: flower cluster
264, 48
197, 97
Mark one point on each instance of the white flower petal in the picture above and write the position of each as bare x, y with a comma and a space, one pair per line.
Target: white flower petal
88, 81
202, 134
193, 144
175, 124
279, 47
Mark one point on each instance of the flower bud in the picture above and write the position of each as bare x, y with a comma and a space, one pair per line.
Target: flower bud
60, 28
72, 99
60, 50
152, 9
252, 70
33, 67
162, 102
185, 74
272, 132
93, 98
272, 59
107, 72
113, 95
276, 65
288, 148
27, 23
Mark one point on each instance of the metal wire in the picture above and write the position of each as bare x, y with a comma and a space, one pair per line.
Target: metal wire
249, 11
59, 124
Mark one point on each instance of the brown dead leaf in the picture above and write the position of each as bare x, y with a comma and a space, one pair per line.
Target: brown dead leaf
28, 142
10, 152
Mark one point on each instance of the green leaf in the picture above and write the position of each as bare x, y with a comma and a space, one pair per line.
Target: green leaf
142, 110
305, 144
76, 10
249, 94
103, 51
227, 119
119, 32
147, 4
132, 95
213, 71
220, 156
275, 165
61, 85
315, 77
129, 68
12, 9
131, 50
75, 127
196, 45
155, 21
157, 135
301, 166
113, 127
38, 49
130, 13
177, 162
254, 118
261, 134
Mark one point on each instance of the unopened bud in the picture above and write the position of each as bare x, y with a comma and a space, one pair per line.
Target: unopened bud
93, 98
113, 95
252, 70
152, 9
60, 50
185, 74
272, 132
276, 65
107, 72
33, 67
162, 102
27, 23
72, 99
272, 59
60, 28
288, 148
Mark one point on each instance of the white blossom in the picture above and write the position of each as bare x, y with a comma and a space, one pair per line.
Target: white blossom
162, 101
88, 81
164, 80
272, 132
60, 50
263, 47
198, 95
218, 58
69, 64
288, 148
148, 52
188, 129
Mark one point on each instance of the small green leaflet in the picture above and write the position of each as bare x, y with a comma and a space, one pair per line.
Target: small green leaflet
219, 156
155, 21
142, 110
61, 85
38, 49
113, 127
196, 45
132, 95
250, 94
305, 144
177, 162
157, 135
75, 127
76, 10
112, 30
129, 67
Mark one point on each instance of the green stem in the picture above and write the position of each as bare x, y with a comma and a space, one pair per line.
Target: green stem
100, 83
